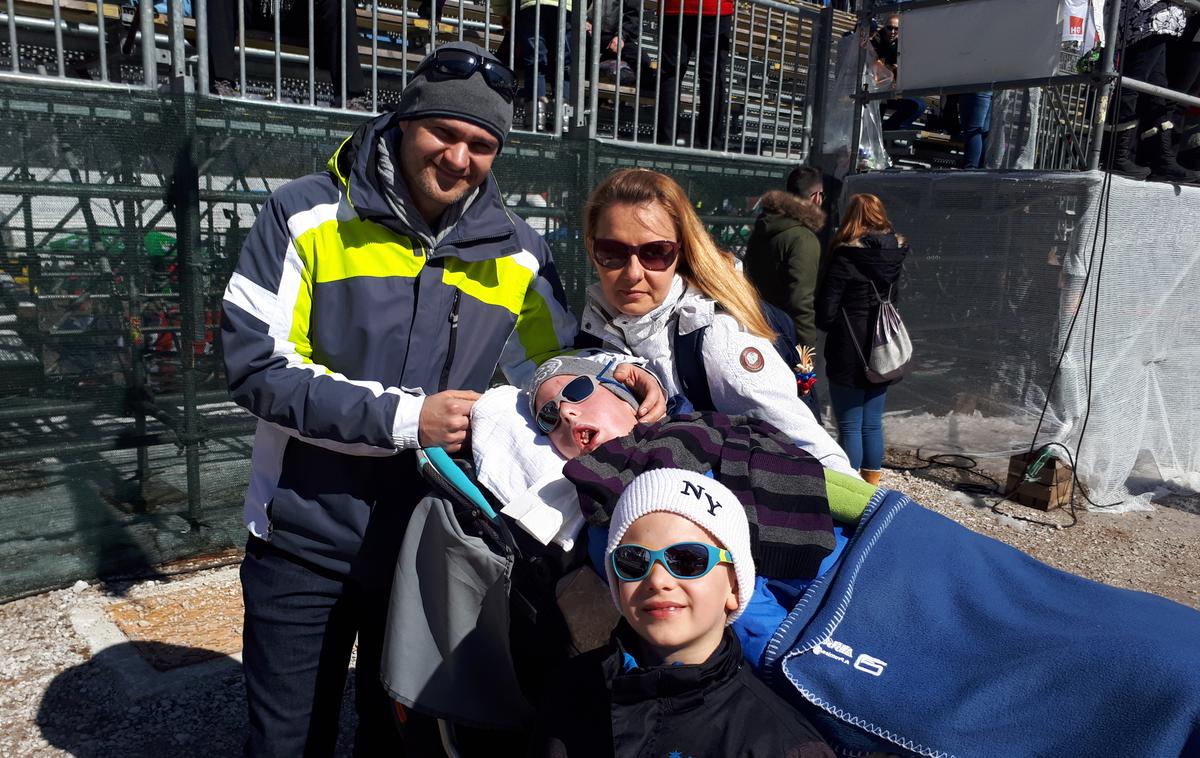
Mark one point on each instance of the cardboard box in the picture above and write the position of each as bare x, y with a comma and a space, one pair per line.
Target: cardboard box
1051, 489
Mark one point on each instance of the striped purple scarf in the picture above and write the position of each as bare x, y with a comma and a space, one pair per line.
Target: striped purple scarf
782, 487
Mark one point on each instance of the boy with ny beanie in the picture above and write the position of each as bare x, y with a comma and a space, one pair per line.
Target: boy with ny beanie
672, 679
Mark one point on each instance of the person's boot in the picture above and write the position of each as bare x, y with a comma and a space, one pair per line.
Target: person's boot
1160, 152
1188, 149
1123, 163
870, 476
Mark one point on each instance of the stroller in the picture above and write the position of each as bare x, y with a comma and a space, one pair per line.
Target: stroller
920, 638
473, 626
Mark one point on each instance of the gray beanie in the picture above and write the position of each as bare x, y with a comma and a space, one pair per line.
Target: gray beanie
430, 94
571, 366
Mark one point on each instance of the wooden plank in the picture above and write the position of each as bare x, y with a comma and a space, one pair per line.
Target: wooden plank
72, 11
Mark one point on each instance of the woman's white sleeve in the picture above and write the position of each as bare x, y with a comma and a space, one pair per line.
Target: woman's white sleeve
748, 378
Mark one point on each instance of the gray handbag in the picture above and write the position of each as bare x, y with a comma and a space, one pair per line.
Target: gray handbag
891, 348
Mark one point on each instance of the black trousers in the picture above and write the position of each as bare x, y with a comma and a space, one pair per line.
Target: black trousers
222, 36
300, 625
301, 622
677, 47
1145, 60
536, 32
1183, 59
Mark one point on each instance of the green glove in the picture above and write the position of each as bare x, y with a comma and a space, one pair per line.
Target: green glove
848, 496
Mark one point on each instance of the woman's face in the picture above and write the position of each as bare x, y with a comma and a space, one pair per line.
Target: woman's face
633, 290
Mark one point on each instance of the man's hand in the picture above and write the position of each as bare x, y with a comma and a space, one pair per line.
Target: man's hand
614, 45
445, 419
645, 388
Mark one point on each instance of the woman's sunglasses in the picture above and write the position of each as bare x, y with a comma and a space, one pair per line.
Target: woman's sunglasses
575, 391
462, 64
685, 560
654, 256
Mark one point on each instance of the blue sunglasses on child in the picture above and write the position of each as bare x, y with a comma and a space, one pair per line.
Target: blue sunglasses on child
683, 560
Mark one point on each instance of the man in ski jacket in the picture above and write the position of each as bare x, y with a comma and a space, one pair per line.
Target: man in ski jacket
370, 304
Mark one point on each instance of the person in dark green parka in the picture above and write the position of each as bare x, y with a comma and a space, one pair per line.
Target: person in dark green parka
783, 255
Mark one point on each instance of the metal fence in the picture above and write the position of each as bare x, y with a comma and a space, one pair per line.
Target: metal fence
119, 446
759, 93
1074, 104
749, 92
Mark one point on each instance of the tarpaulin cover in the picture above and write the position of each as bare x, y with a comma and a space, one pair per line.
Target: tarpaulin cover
999, 266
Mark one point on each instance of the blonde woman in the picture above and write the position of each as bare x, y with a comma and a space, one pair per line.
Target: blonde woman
662, 279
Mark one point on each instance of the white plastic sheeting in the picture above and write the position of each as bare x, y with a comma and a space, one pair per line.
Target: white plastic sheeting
999, 265
839, 110
1012, 140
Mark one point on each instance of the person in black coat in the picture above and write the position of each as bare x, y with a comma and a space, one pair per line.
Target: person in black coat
865, 265
604, 704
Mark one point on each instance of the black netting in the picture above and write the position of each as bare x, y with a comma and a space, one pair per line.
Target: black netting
1000, 265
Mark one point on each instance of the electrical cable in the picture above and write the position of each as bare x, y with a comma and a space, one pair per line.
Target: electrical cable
946, 460
1099, 243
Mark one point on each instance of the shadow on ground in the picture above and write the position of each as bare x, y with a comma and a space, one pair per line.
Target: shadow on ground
101, 708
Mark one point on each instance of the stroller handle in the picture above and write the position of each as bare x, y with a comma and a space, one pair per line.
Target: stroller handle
441, 461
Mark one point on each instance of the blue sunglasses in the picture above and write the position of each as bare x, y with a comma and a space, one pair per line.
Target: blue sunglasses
683, 560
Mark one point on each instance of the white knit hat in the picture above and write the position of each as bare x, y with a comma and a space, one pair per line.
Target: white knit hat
698, 498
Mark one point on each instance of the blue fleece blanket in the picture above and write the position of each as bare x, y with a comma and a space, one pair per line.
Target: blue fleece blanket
932, 639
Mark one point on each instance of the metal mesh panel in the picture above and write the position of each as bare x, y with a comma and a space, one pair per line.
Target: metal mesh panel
119, 447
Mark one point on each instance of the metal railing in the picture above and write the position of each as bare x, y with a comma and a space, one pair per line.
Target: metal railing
75, 43
1077, 102
745, 84
741, 83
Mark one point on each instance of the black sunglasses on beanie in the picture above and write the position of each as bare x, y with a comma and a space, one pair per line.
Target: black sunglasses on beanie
445, 86
455, 63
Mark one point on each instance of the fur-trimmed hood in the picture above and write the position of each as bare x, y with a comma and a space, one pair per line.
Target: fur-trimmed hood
792, 207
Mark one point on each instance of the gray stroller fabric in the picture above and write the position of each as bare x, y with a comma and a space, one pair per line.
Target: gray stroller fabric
446, 649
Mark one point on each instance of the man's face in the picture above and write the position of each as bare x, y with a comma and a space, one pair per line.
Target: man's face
443, 159
582, 427
891, 29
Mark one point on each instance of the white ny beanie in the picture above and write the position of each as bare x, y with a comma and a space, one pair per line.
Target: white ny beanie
698, 498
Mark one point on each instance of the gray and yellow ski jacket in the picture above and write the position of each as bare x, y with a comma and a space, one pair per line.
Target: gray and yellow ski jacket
345, 310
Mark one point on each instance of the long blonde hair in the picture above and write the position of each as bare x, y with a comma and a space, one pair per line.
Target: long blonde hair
864, 213
701, 263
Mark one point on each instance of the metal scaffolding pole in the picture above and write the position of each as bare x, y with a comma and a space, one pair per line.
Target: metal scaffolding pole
185, 202
1104, 91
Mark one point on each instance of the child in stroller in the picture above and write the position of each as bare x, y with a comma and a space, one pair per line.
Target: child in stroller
913, 635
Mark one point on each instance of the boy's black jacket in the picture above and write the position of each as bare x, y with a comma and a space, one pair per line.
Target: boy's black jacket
717, 709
